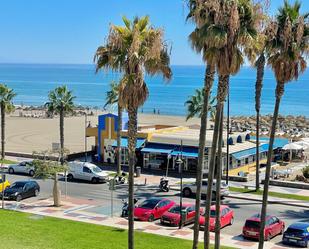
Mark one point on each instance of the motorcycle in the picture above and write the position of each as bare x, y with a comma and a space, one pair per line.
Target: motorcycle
164, 186
121, 179
125, 207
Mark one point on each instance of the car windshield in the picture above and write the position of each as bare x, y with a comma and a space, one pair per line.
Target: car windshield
252, 224
18, 185
149, 204
294, 231
96, 170
176, 209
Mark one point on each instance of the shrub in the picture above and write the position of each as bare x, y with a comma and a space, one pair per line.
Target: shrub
306, 172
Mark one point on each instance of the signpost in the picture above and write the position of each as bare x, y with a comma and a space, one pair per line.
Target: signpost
3, 177
112, 188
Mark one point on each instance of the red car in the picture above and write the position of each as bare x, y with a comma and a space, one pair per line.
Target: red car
226, 217
152, 208
172, 216
273, 227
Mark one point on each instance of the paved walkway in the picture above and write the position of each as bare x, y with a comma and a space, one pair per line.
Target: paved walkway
81, 210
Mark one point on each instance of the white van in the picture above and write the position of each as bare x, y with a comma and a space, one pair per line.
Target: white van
86, 171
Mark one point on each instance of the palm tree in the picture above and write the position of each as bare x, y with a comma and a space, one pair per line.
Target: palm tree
7, 106
199, 43
233, 29
133, 49
195, 105
61, 101
286, 51
112, 97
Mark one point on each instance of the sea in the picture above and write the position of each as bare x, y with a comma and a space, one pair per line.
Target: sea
32, 82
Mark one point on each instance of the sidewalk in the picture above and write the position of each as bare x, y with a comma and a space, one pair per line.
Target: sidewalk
80, 210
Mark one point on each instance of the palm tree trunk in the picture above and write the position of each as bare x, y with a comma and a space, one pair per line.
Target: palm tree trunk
61, 136
279, 94
218, 185
119, 140
221, 95
56, 192
260, 64
208, 82
2, 130
132, 131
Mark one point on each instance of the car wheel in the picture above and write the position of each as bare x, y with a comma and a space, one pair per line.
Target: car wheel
36, 192
70, 177
11, 171
94, 180
31, 173
232, 221
151, 218
187, 192
18, 198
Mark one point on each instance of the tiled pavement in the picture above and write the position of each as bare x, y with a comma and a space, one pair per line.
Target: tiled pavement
77, 210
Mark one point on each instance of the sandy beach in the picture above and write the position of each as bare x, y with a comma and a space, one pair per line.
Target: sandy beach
29, 134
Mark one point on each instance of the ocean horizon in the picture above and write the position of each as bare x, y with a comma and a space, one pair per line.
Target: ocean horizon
32, 82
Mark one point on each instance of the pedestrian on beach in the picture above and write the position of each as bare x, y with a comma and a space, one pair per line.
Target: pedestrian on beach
154, 110
158, 111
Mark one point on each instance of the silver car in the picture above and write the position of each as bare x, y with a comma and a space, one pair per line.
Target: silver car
24, 167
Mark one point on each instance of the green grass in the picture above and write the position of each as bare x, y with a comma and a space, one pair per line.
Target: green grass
27, 231
5, 161
273, 194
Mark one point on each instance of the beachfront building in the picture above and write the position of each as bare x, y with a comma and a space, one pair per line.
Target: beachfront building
159, 146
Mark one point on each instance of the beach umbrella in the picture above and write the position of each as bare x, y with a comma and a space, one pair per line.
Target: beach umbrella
292, 146
304, 144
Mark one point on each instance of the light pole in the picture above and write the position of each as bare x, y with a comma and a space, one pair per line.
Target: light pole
86, 136
179, 161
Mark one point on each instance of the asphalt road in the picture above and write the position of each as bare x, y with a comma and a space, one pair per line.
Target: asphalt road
242, 208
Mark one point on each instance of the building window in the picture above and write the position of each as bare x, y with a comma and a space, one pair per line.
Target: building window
238, 163
247, 160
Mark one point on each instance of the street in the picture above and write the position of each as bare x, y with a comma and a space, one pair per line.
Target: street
243, 209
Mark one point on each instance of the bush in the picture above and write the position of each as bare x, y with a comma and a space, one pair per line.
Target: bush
306, 172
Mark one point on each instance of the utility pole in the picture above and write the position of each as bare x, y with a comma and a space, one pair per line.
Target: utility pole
86, 137
227, 137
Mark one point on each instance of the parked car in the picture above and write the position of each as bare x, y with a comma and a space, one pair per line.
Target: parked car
190, 189
226, 217
4, 184
152, 208
173, 215
21, 190
273, 227
86, 171
24, 167
297, 234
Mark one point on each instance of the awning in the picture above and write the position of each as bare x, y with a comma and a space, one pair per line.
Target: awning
186, 152
250, 152
158, 148
124, 142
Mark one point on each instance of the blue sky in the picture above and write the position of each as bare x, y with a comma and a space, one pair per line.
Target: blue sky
69, 31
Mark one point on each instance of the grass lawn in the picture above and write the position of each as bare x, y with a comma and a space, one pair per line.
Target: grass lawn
5, 161
27, 231
273, 194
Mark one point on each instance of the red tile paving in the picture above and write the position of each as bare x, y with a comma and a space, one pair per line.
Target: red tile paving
152, 227
98, 218
123, 222
245, 243
73, 214
79, 201
180, 232
49, 211
278, 247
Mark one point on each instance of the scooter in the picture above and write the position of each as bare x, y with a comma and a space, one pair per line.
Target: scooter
125, 207
120, 179
164, 186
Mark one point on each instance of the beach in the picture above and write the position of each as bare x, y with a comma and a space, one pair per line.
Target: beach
36, 134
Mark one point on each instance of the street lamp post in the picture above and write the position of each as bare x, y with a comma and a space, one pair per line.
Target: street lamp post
86, 137
180, 163
227, 138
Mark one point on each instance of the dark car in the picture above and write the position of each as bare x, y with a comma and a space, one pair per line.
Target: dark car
21, 190
297, 234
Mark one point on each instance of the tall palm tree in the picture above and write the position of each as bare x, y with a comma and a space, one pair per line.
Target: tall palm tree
6, 104
198, 39
133, 49
286, 52
112, 97
195, 105
233, 29
60, 101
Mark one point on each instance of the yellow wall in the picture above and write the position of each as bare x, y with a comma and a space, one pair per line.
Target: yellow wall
249, 168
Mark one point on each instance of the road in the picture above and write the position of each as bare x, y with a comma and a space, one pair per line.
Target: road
242, 208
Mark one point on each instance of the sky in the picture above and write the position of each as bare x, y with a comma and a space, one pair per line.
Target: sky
69, 31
